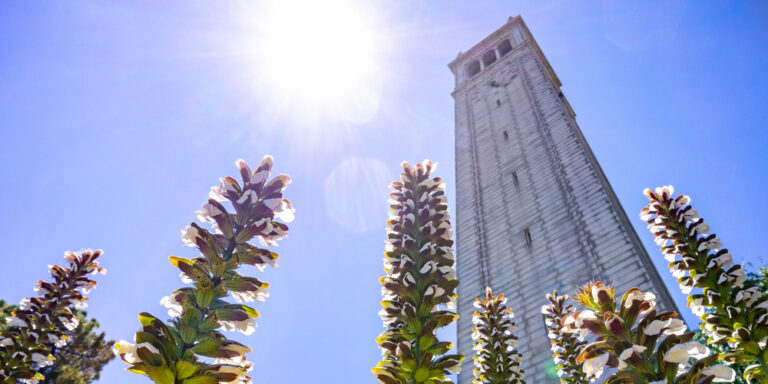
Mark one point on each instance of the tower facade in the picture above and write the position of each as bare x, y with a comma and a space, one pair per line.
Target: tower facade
534, 210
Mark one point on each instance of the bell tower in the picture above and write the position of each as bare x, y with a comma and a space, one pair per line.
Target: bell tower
534, 211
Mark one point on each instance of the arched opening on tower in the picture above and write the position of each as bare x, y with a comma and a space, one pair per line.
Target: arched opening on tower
473, 68
489, 58
504, 47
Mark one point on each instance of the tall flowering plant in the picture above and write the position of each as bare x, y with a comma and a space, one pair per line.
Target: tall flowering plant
43, 323
420, 281
566, 346
497, 360
190, 348
645, 346
732, 312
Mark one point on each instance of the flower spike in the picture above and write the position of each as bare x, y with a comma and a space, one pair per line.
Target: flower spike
497, 360
733, 311
566, 346
420, 281
177, 352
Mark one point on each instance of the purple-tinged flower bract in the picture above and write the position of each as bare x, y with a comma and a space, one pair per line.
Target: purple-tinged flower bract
419, 282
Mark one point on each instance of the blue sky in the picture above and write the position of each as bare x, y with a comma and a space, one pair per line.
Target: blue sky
116, 118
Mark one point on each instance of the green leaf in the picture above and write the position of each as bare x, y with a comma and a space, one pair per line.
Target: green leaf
185, 369
146, 318
203, 297
206, 347
751, 347
188, 334
192, 316
161, 375
422, 374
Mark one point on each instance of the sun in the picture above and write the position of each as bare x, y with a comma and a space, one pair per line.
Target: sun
321, 55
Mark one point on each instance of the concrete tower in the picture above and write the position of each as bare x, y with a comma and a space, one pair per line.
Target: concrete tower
534, 210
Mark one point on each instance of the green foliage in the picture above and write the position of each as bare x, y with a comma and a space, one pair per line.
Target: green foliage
80, 361
190, 349
40, 326
733, 310
566, 347
497, 360
419, 280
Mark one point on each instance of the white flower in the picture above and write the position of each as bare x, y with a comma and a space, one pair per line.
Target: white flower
70, 257
69, 322
675, 327
127, 351
15, 322
596, 289
711, 245
249, 296
594, 367
58, 342
174, 307
686, 288
6, 342
25, 304
42, 360
690, 216
248, 194
724, 261
40, 290
627, 353
667, 189
189, 236
700, 229
641, 296
207, 213
681, 353
245, 327
285, 212
722, 373
697, 307
677, 270
670, 326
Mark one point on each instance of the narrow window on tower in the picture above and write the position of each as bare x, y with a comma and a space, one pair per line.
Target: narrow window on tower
473, 68
527, 234
506, 136
514, 174
498, 103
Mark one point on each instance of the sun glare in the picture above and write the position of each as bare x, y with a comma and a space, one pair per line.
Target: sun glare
322, 55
